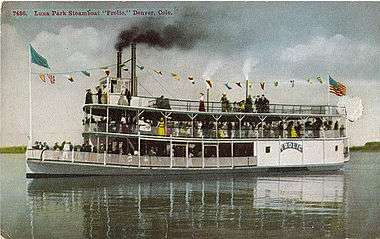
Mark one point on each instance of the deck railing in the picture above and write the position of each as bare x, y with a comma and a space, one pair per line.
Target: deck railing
213, 106
142, 161
188, 132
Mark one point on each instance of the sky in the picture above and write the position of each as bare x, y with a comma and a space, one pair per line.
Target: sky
264, 41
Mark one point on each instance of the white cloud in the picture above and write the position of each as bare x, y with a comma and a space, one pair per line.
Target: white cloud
73, 48
335, 50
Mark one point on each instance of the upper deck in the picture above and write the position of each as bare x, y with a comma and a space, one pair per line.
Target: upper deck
181, 106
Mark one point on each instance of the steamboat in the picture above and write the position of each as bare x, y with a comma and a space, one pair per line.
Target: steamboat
161, 136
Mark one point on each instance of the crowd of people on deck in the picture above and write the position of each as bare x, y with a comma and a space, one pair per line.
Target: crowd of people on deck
260, 105
102, 96
210, 129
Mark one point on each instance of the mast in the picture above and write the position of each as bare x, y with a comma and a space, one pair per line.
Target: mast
133, 70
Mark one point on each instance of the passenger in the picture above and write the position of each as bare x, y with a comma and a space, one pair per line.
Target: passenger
336, 126
342, 131
66, 150
280, 128
248, 104
242, 106
88, 97
56, 146
293, 132
229, 130
161, 127
99, 94
128, 95
298, 129
104, 98
265, 104
45, 146
122, 100
257, 103
225, 103
289, 127
202, 102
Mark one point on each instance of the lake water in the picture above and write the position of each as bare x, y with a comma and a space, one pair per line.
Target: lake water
343, 204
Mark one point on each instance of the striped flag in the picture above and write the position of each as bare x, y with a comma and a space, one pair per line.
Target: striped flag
337, 88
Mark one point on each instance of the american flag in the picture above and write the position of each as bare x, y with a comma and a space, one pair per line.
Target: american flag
337, 88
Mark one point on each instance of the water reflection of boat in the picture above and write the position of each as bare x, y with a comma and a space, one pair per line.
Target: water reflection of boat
255, 203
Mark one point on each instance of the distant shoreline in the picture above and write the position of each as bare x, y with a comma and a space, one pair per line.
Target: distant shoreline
368, 147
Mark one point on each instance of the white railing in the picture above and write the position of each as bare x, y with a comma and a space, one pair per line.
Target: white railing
144, 161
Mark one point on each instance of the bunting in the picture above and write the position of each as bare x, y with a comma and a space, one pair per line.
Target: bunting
176, 76
320, 79
158, 72
227, 86
191, 79
209, 83
51, 78
262, 85
276, 83
239, 84
42, 77
86, 73
70, 78
292, 83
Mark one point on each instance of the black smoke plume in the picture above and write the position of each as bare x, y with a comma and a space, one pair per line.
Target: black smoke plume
183, 34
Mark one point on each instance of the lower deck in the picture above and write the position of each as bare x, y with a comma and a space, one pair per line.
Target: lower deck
263, 155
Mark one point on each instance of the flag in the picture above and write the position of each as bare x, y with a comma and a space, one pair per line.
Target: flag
191, 79
209, 83
228, 87
276, 83
337, 88
239, 84
37, 58
51, 78
158, 72
176, 76
292, 83
86, 73
262, 85
320, 79
42, 77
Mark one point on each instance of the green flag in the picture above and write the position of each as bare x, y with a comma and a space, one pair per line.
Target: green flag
38, 59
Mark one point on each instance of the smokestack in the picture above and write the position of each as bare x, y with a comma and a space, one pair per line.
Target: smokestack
133, 70
118, 55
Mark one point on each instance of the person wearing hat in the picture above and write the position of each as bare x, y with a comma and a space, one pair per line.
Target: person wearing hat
88, 97
202, 102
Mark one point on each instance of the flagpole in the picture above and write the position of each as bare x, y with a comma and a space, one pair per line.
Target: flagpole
30, 141
328, 94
